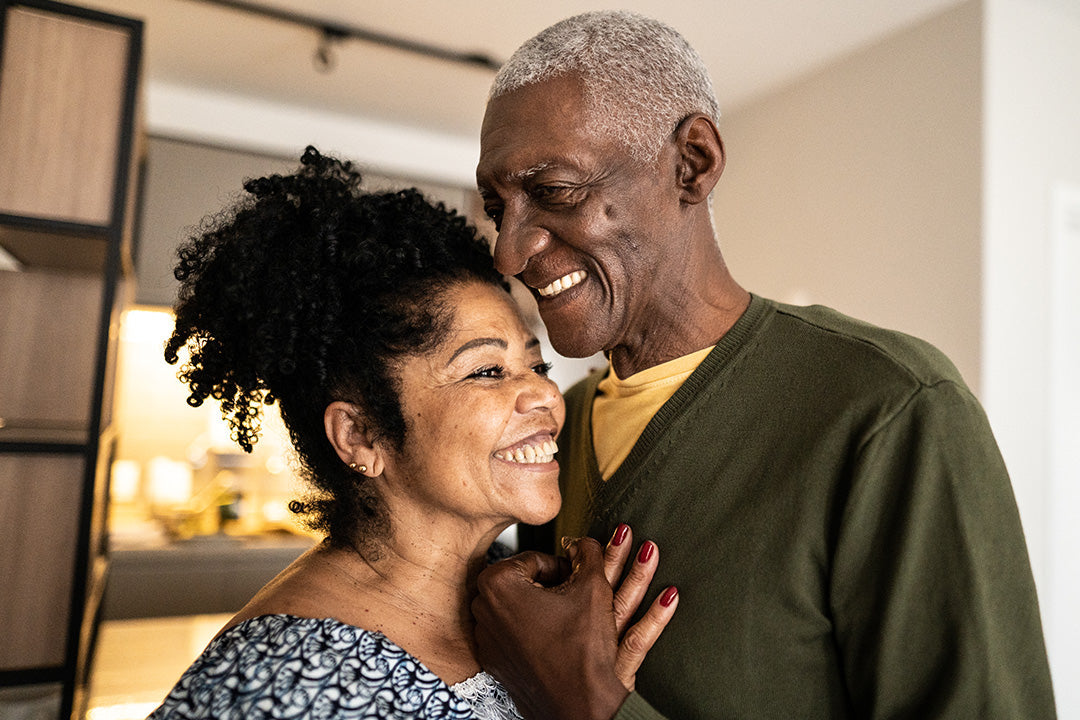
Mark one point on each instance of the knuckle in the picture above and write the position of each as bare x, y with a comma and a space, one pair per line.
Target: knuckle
486, 580
497, 576
639, 575
590, 545
591, 542
636, 641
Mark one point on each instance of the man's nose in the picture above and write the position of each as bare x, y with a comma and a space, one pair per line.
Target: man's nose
519, 239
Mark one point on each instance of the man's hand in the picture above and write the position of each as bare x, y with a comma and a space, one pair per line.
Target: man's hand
549, 629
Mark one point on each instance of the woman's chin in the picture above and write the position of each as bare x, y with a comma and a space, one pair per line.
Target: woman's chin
541, 511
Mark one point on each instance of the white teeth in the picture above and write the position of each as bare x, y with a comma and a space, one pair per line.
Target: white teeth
564, 283
530, 454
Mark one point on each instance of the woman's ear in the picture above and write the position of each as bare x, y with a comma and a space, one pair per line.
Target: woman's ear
701, 157
354, 438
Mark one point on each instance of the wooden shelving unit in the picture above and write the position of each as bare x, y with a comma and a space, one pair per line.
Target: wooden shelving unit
68, 160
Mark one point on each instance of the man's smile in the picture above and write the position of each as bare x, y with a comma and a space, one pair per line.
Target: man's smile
564, 283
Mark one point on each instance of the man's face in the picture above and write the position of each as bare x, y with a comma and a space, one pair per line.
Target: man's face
580, 222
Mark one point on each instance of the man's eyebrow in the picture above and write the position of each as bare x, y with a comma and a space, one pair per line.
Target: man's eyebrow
478, 342
529, 172
516, 175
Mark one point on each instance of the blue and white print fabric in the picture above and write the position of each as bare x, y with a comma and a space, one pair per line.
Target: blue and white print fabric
281, 666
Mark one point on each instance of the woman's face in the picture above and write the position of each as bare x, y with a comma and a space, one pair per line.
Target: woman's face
481, 419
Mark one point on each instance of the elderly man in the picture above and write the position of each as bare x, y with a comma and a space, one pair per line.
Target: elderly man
827, 495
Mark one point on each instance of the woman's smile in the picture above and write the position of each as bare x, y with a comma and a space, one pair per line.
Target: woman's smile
539, 449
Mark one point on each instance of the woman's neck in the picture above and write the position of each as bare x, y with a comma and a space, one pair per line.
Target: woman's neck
425, 579
418, 594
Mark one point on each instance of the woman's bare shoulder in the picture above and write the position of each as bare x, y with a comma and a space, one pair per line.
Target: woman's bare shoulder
315, 585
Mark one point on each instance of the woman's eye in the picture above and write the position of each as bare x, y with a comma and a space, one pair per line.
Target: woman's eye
491, 371
542, 369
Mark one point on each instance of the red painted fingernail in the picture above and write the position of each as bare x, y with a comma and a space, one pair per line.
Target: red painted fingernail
645, 552
669, 596
620, 534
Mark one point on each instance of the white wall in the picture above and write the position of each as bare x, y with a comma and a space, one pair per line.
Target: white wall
858, 187
1032, 152
258, 126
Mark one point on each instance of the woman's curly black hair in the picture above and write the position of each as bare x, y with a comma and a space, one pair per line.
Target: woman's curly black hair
306, 292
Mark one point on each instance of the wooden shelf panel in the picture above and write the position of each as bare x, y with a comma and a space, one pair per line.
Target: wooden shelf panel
40, 499
60, 131
48, 346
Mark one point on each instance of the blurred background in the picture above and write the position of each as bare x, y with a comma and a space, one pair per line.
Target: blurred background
914, 163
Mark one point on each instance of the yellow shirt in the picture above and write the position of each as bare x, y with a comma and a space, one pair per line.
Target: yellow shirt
623, 408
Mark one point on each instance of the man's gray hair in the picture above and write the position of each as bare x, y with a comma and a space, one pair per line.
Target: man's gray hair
641, 77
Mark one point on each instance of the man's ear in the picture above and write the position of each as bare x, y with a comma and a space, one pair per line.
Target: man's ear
354, 438
701, 157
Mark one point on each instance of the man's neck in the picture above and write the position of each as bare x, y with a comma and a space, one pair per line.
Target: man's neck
693, 317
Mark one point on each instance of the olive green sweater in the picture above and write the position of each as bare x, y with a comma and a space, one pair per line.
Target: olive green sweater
831, 503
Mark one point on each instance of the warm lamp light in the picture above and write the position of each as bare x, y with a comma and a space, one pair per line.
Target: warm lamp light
169, 482
124, 484
146, 326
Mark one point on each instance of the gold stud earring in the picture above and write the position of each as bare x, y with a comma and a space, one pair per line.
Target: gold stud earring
358, 468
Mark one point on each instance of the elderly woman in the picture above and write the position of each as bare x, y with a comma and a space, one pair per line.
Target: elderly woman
422, 416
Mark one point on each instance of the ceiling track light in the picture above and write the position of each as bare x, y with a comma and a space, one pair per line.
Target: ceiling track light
324, 53
331, 33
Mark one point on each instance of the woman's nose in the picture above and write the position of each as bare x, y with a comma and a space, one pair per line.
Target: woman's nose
519, 239
538, 392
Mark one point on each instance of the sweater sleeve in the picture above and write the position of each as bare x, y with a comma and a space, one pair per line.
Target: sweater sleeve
932, 594
636, 707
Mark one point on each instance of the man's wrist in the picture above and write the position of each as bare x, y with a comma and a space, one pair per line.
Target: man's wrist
605, 699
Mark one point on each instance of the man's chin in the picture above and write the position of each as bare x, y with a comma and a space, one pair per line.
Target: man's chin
571, 345
573, 330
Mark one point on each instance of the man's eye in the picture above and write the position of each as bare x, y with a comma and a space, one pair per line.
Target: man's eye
542, 369
551, 193
495, 213
491, 371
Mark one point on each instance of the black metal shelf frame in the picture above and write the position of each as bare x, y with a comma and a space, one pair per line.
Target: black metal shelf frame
90, 566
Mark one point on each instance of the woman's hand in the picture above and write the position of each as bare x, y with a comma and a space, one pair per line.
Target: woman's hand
636, 640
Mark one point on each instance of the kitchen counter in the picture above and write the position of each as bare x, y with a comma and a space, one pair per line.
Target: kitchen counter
201, 575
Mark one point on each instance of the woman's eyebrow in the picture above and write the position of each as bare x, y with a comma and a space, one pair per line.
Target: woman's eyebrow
478, 342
